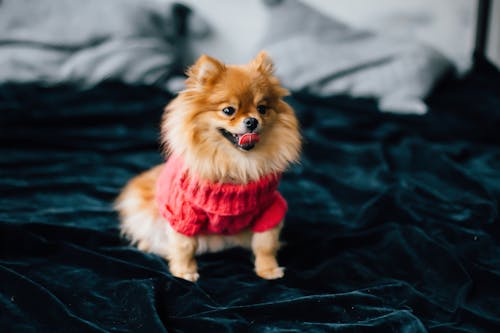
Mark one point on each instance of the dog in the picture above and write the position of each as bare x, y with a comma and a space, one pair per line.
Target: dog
227, 138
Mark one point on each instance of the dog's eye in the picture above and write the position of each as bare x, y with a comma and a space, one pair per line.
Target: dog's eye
262, 109
228, 110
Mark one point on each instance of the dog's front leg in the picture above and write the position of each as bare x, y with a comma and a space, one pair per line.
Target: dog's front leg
181, 260
265, 245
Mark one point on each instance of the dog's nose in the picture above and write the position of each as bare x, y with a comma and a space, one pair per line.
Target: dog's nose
251, 123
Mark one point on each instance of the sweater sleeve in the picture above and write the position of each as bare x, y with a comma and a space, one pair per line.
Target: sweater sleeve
272, 215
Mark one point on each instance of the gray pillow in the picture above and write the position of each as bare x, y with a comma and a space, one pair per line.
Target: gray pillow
323, 56
87, 42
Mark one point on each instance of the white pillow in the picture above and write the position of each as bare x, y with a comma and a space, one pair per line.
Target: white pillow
323, 56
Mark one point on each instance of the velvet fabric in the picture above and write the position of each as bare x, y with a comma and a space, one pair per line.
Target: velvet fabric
392, 222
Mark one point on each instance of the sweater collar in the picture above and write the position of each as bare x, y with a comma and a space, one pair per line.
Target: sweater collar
226, 198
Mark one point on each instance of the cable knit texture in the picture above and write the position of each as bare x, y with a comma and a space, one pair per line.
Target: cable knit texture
193, 206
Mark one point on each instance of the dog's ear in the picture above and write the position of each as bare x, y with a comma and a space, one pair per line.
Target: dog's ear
204, 70
264, 63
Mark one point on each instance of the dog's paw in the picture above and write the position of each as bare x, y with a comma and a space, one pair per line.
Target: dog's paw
189, 276
193, 277
271, 273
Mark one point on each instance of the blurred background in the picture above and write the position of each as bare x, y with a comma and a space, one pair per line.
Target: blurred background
448, 25
393, 51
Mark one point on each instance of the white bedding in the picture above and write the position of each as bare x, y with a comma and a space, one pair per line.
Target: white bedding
448, 25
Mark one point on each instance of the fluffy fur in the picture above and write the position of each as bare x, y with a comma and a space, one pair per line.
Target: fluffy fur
192, 127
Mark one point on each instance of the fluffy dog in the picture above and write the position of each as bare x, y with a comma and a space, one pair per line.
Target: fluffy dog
227, 136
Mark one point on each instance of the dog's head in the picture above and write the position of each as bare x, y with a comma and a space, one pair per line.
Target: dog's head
230, 123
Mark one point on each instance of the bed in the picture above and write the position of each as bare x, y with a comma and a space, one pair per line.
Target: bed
392, 223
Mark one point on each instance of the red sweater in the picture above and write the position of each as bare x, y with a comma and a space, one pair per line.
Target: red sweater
193, 206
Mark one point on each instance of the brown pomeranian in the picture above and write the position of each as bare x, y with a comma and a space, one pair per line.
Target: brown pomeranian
227, 137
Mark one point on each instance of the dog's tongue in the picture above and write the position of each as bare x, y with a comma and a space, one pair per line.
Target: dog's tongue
248, 139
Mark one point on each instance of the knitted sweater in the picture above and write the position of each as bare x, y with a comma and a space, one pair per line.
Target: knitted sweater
193, 206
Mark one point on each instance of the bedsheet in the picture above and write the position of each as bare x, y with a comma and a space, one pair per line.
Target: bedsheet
392, 226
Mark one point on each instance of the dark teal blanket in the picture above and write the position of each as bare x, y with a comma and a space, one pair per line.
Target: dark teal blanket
392, 227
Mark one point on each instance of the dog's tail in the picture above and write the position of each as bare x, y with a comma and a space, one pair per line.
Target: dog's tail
140, 220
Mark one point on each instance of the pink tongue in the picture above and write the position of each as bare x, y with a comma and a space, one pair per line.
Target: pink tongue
248, 139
